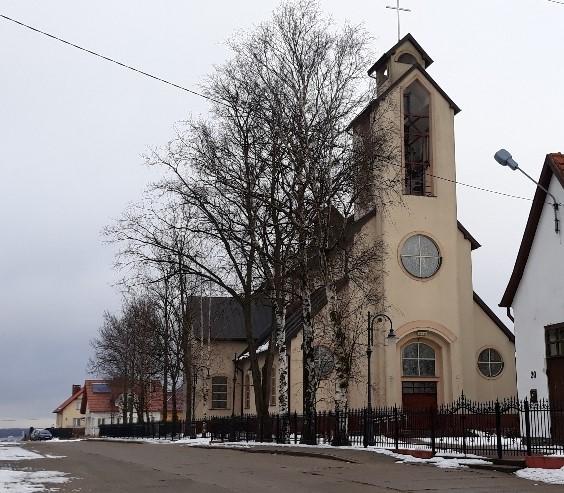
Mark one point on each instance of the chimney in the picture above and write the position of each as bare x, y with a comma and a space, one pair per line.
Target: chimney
75, 389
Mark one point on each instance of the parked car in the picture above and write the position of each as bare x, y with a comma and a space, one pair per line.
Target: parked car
41, 435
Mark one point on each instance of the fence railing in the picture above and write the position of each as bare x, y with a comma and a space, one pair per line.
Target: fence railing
495, 429
67, 433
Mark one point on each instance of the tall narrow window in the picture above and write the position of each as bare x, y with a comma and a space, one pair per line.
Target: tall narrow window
273, 387
219, 392
247, 392
416, 139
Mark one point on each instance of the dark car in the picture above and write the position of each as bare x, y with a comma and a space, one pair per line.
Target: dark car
41, 435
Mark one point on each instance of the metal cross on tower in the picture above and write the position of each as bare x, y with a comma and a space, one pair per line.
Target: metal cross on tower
398, 9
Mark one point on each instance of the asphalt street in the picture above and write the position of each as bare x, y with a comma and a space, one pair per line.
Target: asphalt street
98, 466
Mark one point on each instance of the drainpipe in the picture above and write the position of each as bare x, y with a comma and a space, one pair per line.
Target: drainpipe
509, 316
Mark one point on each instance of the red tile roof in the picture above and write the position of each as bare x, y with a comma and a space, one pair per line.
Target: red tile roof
71, 399
103, 399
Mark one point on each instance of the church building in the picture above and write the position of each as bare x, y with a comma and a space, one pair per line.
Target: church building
448, 341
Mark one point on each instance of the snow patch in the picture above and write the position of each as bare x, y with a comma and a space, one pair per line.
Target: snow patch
12, 452
551, 476
29, 481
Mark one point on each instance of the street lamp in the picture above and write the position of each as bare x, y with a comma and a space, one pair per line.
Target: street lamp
505, 158
368, 440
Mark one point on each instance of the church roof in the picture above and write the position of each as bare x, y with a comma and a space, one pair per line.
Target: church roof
553, 165
473, 242
406, 74
408, 37
494, 318
223, 316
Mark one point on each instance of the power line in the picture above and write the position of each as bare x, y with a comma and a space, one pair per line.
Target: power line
160, 79
129, 67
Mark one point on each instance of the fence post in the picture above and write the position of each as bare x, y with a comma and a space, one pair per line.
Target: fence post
365, 439
295, 427
433, 432
396, 427
498, 429
527, 427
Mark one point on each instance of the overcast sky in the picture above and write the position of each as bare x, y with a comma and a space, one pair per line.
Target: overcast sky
73, 130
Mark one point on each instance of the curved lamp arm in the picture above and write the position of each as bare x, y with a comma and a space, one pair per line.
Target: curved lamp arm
379, 317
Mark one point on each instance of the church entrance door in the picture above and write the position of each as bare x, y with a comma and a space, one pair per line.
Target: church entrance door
419, 395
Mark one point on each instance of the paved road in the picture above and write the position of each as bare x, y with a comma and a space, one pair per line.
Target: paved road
128, 467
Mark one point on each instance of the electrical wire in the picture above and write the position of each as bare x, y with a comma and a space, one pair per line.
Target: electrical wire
178, 86
103, 57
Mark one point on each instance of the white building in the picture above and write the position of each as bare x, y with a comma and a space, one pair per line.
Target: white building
536, 292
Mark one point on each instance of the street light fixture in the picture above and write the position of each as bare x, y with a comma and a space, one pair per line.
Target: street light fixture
391, 336
505, 158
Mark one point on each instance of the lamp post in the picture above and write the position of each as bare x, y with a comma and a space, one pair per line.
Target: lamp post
368, 438
505, 158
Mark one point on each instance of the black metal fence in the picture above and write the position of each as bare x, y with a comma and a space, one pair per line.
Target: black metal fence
494, 429
67, 433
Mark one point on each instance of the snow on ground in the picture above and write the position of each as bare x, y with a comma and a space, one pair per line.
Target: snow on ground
449, 462
13, 452
30, 481
552, 476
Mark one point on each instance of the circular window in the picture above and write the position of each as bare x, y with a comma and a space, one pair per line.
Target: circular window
420, 256
324, 362
490, 363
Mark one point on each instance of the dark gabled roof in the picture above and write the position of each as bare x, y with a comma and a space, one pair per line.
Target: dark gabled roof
553, 165
223, 316
383, 96
473, 242
408, 37
495, 319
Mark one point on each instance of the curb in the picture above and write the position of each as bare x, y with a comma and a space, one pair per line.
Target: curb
271, 451
109, 440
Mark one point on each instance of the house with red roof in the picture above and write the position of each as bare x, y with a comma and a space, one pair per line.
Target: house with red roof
68, 412
535, 291
102, 404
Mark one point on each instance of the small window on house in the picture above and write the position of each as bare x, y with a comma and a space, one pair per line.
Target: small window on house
418, 360
490, 363
76, 422
219, 392
555, 341
416, 142
78, 402
407, 58
273, 381
247, 391
101, 421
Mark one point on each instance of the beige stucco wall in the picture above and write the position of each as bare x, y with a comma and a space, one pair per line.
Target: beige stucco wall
221, 364
68, 414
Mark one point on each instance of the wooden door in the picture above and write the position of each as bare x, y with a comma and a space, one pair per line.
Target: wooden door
555, 373
419, 395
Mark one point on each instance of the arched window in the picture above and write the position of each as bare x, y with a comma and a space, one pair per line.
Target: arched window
416, 139
418, 360
407, 58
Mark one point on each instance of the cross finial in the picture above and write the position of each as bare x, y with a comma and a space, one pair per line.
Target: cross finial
398, 9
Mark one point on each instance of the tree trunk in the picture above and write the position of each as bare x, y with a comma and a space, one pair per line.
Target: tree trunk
283, 390
308, 434
342, 370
